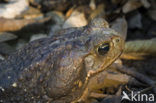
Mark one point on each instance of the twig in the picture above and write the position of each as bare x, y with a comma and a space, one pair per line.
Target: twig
136, 75
99, 95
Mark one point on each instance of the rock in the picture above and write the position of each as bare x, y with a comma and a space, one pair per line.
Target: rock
135, 21
32, 13
145, 3
120, 25
37, 36
92, 4
4, 36
77, 19
135, 4
6, 49
21, 43
131, 5
13, 8
1, 58
21, 24
57, 19
98, 12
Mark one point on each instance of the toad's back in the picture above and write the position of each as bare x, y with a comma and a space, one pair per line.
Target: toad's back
35, 61
34, 53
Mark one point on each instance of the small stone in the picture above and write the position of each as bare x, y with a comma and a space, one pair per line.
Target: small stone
92, 4
135, 21
131, 5
145, 3
4, 36
20, 43
76, 19
1, 88
37, 36
9, 77
13, 8
1, 57
6, 49
14, 84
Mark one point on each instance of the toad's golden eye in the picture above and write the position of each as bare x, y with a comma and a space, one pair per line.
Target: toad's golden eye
103, 49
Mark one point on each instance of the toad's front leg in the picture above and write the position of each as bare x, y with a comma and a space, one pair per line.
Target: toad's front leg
105, 79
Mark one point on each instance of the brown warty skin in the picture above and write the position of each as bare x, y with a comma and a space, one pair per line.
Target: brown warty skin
57, 69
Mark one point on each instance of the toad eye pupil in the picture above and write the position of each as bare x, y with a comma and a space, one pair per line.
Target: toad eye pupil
103, 49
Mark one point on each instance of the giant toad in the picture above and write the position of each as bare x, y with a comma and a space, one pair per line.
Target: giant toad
58, 68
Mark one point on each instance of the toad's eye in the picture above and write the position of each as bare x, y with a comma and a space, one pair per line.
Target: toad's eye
103, 49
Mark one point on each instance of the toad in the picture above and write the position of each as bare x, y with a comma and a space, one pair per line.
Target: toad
58, 69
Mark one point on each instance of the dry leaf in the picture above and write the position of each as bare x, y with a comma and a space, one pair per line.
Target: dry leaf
139, 48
